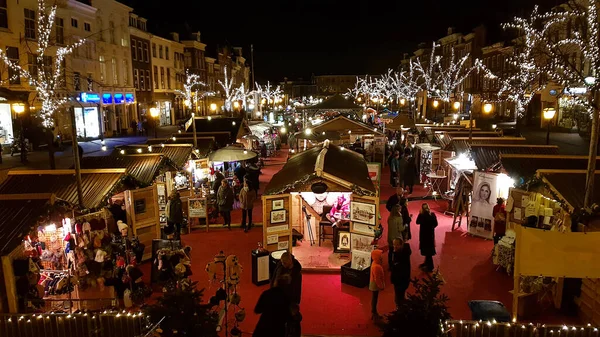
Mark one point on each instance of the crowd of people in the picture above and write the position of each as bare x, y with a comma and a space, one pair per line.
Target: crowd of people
403, 168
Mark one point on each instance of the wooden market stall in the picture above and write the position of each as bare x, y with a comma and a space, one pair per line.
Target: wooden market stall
235, 126
301, 196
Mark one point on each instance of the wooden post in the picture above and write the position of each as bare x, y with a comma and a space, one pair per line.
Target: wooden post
516, 273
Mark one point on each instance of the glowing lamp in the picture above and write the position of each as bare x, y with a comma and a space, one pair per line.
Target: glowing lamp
283, 129
236, 105
487, 108
213, 107
402, 101
436, 104
187, 103
308, 131
456, 105
18, 108
549, 113
154, 112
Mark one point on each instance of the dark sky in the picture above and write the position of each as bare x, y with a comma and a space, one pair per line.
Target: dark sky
298, 38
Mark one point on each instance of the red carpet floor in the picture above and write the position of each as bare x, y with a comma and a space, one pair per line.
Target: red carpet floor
332, 308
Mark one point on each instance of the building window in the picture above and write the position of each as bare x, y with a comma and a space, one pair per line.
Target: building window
76, 81
90, 82
111, 31
149, 86
74, 23
155, 77
3, 14
160, 51
87, 27
133, 53
142, 82
146, 56
132, 22
166, 53
102, 69
168, 78
139, 53
136, 83
188, 59
154, 50
60, 30
12, 53
32, 65
115, 73
29, 24
125, 72
162, 77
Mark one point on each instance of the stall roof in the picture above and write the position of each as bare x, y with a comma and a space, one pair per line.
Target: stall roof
344, 124
234, 125
344, 164
142, 167
336, 102
16, 219
399, 121
486, 156
178, 154
526, 165
96, 184
571, 186
206, 144
462, 144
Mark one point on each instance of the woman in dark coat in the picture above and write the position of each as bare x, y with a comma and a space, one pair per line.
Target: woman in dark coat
225, 202
274, 309
428, 223
411, 173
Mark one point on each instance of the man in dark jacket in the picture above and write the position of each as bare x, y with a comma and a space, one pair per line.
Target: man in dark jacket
400, 269
395, 199
290, 266
175, 217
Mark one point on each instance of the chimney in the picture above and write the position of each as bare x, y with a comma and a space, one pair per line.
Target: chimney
196, 36
175, 36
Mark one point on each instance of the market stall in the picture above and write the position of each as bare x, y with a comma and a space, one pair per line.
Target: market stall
235, 127
316, 189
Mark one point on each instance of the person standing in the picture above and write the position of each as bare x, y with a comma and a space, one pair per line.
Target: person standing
219, 177
406, 219
225, 202
394, 163
402, 167
499, 214
274, 307
395, 199
411, 173
395, 230
288, 265
247, 198
400, 267
428, 223
376, 282
175, 217
240, 172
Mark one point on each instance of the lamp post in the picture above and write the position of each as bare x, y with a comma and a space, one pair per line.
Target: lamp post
154, 114
213, 107
435, 104
19, 108
548, 116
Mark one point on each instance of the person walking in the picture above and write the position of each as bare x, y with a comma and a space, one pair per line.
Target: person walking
274, 307
175, 215
376, 282
411, 173
288, 265
400, 275
225, 202
395, 230
394, 162
247, 198
428, 223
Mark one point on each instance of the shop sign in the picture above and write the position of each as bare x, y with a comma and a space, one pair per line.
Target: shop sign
118, 98
89, 97
107, 98
129, 98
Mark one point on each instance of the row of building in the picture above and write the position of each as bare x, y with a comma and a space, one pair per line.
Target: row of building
119, 74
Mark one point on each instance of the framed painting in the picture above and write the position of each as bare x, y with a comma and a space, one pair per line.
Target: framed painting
362, 212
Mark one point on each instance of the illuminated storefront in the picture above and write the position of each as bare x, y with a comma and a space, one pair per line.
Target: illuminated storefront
87, 122
6, 124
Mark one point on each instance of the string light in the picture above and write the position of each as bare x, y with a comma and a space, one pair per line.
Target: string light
269, 93
227, 88
191, 81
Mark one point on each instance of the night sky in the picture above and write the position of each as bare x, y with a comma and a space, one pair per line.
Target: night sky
295, 39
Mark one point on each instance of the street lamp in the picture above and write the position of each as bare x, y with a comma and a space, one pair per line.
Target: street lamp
154, 114
548, 116
436, 103
402, 101
236, 105
456, 105
487, 108
19, 108
213, 107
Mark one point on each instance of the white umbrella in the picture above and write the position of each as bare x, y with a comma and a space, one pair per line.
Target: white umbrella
231, 153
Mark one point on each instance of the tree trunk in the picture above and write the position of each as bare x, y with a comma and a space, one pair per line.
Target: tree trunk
591, 169
51, 158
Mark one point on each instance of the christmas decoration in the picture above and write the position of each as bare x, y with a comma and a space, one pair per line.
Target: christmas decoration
192, 82
228, 89
48, 77
269, 93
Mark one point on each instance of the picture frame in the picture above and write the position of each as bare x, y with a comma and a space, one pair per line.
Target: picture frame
363, 212
360, 260
342, 241
361, 243
278, 216
277, 204
363, 229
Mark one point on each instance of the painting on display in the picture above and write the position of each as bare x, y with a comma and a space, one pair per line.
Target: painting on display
361, 242
278, 216
484, 197
362, 212
360, 260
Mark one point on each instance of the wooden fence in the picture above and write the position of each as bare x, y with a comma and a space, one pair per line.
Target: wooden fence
494, 329
104, 324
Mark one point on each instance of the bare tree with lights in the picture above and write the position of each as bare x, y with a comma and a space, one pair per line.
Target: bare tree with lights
192, 82
269, 93
228, 89
48, 79
570, 58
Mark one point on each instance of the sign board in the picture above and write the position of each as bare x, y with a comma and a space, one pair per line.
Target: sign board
375, 173
197, 208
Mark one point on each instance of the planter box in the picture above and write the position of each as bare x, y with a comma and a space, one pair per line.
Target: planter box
356, 278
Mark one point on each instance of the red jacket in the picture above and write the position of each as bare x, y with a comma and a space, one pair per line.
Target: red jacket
377, 280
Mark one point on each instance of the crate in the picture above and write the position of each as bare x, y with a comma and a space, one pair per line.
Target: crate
356, 278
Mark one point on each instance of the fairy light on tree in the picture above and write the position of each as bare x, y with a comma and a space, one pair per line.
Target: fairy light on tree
228, 89
569, 58
269, 93
192, 82
48, 81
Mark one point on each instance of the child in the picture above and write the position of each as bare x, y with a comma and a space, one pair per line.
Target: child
376, 282
400, 269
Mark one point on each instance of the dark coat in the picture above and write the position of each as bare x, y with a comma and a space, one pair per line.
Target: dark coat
393, 200
428, 223
274, 307
240, 172
217, 182
411, 173
401, 266
225, 198
294, 289
175, 210
406, 219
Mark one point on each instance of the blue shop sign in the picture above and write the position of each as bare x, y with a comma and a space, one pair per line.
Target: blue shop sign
129, 98
89, 97
107, 98
118, 98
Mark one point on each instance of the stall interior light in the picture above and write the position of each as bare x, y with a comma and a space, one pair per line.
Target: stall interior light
174, 138
122, 151
50, 228
150, 148
162, 145
139, 150
245, 152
